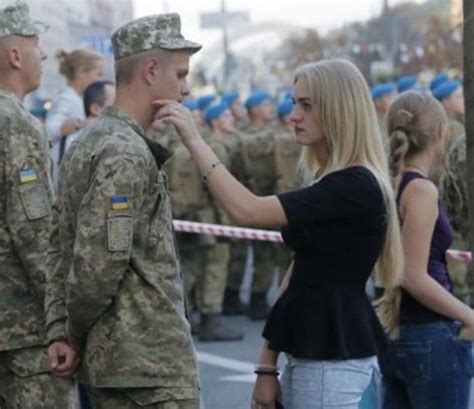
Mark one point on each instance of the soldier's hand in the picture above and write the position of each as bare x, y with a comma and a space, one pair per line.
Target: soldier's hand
63, 359
174, 113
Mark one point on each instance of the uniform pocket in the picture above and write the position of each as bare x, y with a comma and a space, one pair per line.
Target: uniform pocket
119, 232
35, 201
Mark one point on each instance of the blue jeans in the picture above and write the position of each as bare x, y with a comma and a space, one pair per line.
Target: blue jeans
308, 384
428, 367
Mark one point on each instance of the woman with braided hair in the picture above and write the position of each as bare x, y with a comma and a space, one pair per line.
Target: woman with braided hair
429, 362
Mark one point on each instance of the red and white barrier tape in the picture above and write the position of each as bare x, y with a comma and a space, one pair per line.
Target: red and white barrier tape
227, 231
264, 235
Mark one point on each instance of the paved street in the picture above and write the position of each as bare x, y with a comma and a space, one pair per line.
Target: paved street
227, 368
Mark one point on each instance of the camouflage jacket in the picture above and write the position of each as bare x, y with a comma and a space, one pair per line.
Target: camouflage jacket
124, 294
287, 154
259, 161
25, 220
453, 186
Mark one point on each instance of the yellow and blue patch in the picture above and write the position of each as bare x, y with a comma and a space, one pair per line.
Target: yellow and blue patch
28, 175
120, 203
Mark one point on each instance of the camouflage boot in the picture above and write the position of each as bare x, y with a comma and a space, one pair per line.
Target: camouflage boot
213, 329
259, 308
232, 304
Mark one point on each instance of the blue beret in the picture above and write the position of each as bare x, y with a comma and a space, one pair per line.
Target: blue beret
256, 98
191, 104
285, 107
215, 111
380, 90
406, 82
287, 93
437, 80
204, 101
230, 96
445, 89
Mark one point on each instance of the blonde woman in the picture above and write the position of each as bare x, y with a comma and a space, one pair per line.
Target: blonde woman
81, 68
339, 227
429, 364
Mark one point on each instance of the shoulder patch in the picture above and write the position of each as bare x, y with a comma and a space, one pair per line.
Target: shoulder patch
120, 203
28, 175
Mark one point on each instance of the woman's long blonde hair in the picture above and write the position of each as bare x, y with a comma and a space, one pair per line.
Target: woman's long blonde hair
346, 115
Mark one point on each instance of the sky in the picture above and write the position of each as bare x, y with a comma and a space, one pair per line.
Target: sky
320, 14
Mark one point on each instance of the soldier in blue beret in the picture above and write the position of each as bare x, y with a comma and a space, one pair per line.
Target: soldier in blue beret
406, 82
383, 95
437, 80
236, 108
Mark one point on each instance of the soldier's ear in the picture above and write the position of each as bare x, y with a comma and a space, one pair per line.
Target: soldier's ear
10, 51
150, 69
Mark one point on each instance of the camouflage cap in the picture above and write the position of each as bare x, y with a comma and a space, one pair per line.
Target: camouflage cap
150, 32
15, 20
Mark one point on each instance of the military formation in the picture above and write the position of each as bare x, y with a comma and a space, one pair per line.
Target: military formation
94, 280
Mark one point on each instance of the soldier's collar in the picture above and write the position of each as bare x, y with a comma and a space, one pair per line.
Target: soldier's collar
123, 116
5, 93
160, 153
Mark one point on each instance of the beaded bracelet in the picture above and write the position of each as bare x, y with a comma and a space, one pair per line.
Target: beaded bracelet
206, 175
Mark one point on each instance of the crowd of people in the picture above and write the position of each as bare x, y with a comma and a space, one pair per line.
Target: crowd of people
97, 289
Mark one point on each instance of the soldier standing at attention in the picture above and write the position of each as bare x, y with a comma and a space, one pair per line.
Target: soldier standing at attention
124, 296
287, 155
25, 220
451, 96
259, 161
383, 95
238, 248
210, 284
452, 185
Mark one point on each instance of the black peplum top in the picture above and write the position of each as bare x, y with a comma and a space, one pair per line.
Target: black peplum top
336, 228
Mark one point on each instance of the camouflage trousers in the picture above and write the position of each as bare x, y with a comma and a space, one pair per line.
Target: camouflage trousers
237, 261
26, 383
111, 398
205, 264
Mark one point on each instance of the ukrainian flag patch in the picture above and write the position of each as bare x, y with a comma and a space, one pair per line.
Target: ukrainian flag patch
28, 175
120, 203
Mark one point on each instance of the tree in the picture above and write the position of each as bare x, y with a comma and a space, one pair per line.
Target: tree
468, 41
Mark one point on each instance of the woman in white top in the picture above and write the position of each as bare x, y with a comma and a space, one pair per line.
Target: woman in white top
80, 67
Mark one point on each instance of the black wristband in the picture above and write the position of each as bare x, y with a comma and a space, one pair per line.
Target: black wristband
271, 373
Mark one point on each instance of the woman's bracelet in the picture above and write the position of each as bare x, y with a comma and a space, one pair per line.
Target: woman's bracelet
207, 174
271, 373
262, 369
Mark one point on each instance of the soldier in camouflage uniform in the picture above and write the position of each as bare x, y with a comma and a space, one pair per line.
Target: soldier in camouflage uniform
25, 220
237, 109
383, 95
210, 283
287, 154
259, 162
238, 248
124, 301
452, 181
